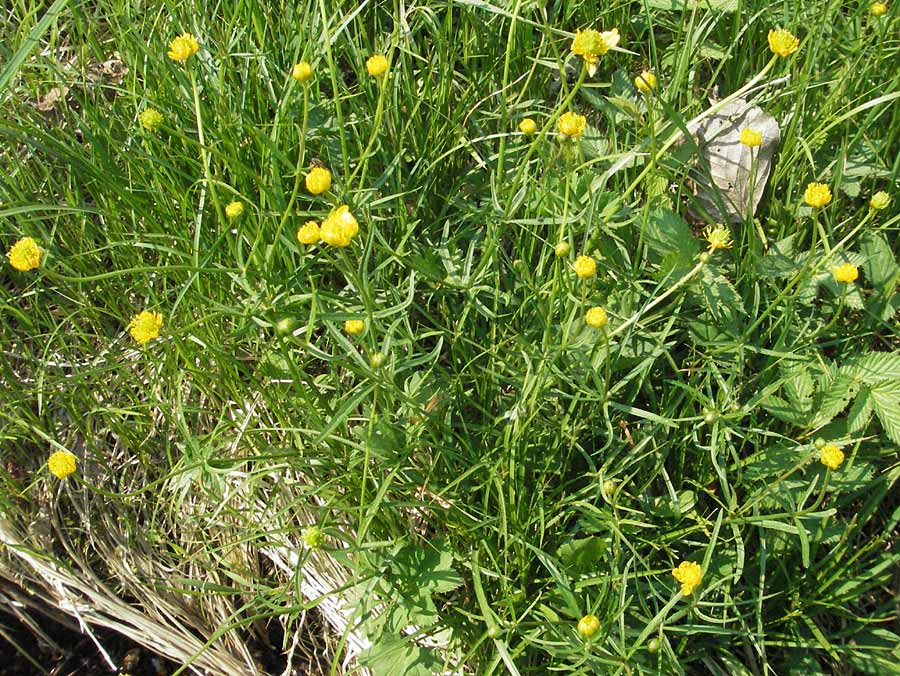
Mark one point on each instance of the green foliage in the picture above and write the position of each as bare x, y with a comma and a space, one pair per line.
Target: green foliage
502, 468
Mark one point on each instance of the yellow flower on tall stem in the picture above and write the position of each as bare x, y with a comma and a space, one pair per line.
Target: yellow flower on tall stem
318, 180
591, 44
302, 72
145, 326
24, 255
831, 456
817, 195
377, 65
571, 125
750, 137
62, 463
846, 273
183, 47
782, 42
585, 267
645, 82
690, 575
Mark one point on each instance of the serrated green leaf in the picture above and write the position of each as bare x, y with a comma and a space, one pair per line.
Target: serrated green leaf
835, 395
886, 402
860, 413
669, 233
781, 260
722, 299
799, 385
879, 265
784, 410
873, 367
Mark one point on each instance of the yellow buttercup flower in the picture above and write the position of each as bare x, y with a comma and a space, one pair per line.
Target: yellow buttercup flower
718, 237
151, 119
302, 71
846, 273
831, 456
145, 326
308, 233
183, 47
24, 255
354, 326
377, 65
880, 200
645, 82
689, 574
591, 44
234, 210
817, 195
588, 626
61, 464
571, 125
585, 267
750, 137
782, 42
528, 126
596, 317
318, 180
877, 9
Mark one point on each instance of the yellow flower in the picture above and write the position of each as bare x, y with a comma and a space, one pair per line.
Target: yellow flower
234, 210
302, 71
596, 317
877, 9
346, 220
24, 255
183, 47
718, 237
588, 626
750, 137
689, 574
880, 200
817, 195
312, 536
151, 119
62, 464
571, 125
591, 45
318, 180
145, 326
585, 267
562, 249
354, 326
831, 456
331, 233
645, 82
846, 273
377, 65
528, 126
308, 233
782, 42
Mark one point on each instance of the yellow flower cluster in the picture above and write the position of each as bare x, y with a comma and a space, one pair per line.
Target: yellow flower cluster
847, 273
585, 267
302, 72
596, 317
591, 44
817, 195
61, 464
718, 237
750, 137
528, 126
690, 575
878, 9
183, 47
571, 125
354, 326
377, 65
318, 180
782, 42
151, 119
234, 210
145, 326
831, 456
24, 255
